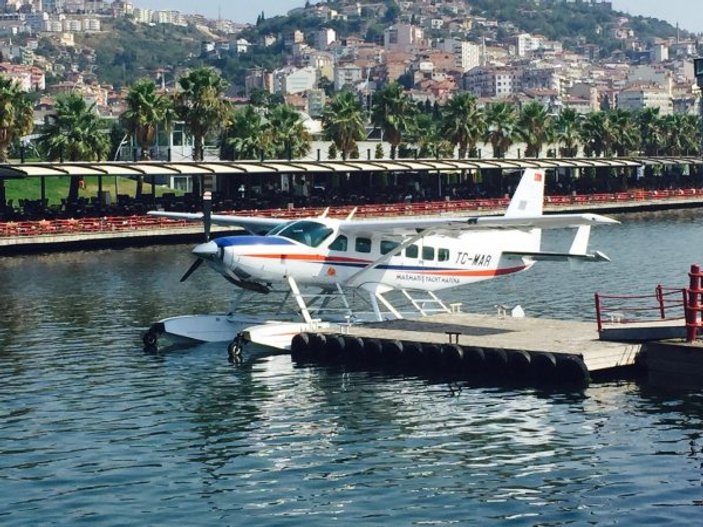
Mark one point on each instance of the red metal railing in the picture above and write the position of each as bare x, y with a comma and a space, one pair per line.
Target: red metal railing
665, 303
694, 303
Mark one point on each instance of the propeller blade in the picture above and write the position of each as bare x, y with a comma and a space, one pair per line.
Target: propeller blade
207, 214
191, 269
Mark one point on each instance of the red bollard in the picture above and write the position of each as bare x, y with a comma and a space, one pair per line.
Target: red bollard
694, 306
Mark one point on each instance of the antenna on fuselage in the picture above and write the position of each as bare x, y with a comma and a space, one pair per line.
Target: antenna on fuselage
351, 214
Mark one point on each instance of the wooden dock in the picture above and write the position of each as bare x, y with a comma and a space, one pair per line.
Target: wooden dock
537, 335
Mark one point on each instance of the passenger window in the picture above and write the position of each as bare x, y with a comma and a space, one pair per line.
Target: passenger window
387, 246
340, 244
411, 251
442, 255
428, 253
363, 245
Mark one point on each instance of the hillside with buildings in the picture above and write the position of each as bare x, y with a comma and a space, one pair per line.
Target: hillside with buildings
576, 54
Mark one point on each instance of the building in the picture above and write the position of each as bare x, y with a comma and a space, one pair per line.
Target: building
402, 37
258, 79
29, 78
294, 80
325, 37
322, 61
316, 100
347, 75
492, 81
639, 97
467, 54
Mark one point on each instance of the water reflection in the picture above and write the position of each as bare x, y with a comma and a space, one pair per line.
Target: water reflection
92, 429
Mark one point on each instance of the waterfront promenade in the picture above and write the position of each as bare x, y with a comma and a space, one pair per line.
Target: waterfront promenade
120, 231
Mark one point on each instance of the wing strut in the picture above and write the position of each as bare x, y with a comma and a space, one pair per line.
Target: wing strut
299, 300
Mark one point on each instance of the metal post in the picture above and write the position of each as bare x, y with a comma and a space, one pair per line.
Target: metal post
599, 320
694, 306
660, 299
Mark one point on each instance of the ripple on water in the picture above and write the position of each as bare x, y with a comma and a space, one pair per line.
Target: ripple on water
94, 430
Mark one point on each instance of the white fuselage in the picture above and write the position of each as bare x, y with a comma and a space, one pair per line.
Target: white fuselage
372, 261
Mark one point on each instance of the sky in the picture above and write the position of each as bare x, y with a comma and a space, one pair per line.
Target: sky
687, 13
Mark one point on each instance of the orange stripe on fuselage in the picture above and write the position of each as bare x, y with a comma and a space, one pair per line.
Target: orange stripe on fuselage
325, 260
317, 258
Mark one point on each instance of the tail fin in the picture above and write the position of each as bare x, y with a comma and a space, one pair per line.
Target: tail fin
529, 195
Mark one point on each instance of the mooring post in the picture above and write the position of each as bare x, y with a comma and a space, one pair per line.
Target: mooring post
660, 299
694, 305
599, 320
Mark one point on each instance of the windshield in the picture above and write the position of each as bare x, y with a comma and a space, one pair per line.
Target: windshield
310, 233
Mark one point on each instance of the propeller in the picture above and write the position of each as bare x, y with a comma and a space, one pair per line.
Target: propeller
204, 249
197, 263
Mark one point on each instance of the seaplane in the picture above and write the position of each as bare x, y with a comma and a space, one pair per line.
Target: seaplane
342, 260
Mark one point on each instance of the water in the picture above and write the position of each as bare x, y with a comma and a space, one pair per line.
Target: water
93, 431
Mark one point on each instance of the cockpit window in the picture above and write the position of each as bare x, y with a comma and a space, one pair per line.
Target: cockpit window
310, 233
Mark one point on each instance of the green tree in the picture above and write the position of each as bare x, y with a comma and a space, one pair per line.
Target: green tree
595, 134
681, 134
15, 120
146, 111
535, 127
624, 133
290, 136
200, 104
428, 136
501, 127
248, 135
463, 123
343, 122
74, 133
15, 115
393, 112
568, 132
650, 126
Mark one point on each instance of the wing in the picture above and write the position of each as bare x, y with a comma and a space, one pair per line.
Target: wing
253, 224
448, 226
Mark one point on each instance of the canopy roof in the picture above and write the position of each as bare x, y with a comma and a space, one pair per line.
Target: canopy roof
157, 168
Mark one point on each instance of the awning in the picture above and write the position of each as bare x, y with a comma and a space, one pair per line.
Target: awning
158, 168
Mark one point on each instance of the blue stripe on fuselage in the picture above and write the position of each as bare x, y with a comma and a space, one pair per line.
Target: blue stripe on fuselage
230, 241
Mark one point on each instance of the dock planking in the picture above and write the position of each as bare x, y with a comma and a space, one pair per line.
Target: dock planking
505, 332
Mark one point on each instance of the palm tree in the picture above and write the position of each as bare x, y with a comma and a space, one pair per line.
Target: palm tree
393, 113
568, 131
146, 110
650, 125
535, 127
249, 133
201, 106
595, 134
501, 127
74, 133
463, 123
624, 132
343, 122
431, 140
15, 120
290, 136
681, 134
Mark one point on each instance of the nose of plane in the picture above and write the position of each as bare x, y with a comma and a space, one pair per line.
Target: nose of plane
206, 250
